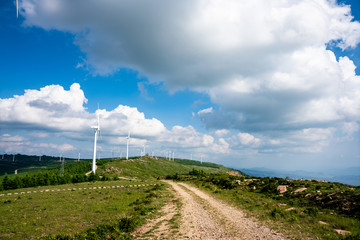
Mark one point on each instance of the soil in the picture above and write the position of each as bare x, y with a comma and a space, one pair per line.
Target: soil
202, 217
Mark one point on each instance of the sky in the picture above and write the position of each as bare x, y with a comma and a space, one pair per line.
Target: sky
246, 84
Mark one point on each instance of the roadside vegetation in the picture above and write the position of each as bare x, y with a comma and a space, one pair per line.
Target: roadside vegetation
306, 210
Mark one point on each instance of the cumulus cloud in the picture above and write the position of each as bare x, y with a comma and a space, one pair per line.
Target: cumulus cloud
247, 139
194, 43
38, 112
265, 64
221, 132
51, 107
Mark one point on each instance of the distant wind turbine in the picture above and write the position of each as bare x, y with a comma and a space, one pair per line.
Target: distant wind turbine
79, 157
96, 131
62, 165
127, 146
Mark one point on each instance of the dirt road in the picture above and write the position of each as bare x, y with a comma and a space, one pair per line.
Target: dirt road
204, 217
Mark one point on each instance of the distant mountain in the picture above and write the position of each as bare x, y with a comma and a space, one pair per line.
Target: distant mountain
349, 176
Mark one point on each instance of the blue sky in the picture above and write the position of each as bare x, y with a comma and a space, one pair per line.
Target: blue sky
261, 84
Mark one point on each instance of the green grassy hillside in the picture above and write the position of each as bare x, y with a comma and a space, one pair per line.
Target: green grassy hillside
106, 209
26, 163
148, 167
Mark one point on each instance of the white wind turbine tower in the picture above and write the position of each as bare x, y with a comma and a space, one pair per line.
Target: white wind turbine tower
17, 8
79, 157
96, 131
127, 146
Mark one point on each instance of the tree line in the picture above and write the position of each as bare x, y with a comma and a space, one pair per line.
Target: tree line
73, 173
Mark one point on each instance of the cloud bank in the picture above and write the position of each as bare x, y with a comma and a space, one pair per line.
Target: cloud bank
55, 111
267, 65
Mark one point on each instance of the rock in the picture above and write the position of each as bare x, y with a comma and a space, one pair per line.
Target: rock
290, 209
281, 188
233, 173
341, 232
300, 190
323, 223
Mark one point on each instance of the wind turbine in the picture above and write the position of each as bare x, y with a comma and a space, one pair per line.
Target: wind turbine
17, 8
96, 131
127, 146
79, 157
62, 165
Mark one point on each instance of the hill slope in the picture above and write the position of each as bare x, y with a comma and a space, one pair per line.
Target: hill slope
148, 167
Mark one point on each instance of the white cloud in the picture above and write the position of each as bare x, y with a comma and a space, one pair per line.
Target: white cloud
265, 64
221, 132
206, 110
194, 43
248, 139
50, 107
20, 144
43, 114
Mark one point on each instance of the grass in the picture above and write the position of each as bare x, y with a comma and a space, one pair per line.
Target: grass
91, 212
26, 163
289, 216
29, 215
149, 168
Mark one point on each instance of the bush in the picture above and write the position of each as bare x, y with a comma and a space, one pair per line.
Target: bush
127, 224
312, 211
277, 213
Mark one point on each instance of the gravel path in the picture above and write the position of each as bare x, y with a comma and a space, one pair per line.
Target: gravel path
204, 217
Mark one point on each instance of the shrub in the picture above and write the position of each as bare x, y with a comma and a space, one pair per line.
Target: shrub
127, 224
312, 211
